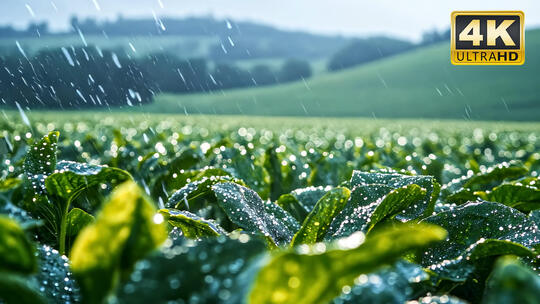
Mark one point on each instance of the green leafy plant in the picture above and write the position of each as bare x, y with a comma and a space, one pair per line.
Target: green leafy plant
166, 210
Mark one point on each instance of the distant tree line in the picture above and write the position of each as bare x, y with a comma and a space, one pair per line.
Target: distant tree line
238, 40
34, 29
435, 36
80, 77
361, 51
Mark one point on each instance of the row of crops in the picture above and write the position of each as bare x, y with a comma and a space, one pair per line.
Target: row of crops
127, 209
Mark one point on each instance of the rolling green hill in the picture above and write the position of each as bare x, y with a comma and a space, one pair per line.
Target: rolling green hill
421, 83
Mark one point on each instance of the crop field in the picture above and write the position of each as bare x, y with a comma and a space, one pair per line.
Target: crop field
139, 208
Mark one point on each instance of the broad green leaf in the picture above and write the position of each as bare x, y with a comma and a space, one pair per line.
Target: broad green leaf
272, 165
192, 226
40, 162
496, 173
246, 209
478, 230
15, 288
511, 282
521, 197
70, 178
290, 204
77, 219
176, 179
300, 202
308, 197
320, 275
68, 181
54, 278
41, 158
461, 197
275, 211
185, 196
371, 204
124, 231
9, 184
16, 251
421, 208
395, 284
318, 221
535, 216
486, 179
211, 270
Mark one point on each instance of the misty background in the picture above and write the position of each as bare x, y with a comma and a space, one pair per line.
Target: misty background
240, 57
406, 19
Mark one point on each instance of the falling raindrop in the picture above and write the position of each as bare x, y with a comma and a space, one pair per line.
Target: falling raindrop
23, 115
20, 49
30, 10
68, 56
116, 60
82, 37
96, 4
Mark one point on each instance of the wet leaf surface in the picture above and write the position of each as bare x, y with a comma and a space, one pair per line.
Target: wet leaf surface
246, 209
475, 231
123, 232
206, 271
318, 221
420, 208
326, 271
192, 226
370, 204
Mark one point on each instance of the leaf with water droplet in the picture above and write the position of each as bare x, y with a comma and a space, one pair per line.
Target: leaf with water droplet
461, 197
67, 183
197, 189
40, 161
71, 178
192, 226
370, 204
290, 204
394, 284
246, 209
318, 221
421, 208
300, 202
488, 178
212, 270
54, 279
319, 275
123, 232
522, 197
476, 231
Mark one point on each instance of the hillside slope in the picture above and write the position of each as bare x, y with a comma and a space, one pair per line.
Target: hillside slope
421, 83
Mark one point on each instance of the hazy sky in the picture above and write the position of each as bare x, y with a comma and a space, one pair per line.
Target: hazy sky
350, 17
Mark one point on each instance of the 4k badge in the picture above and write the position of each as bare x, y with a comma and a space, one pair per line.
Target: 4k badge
488, 38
